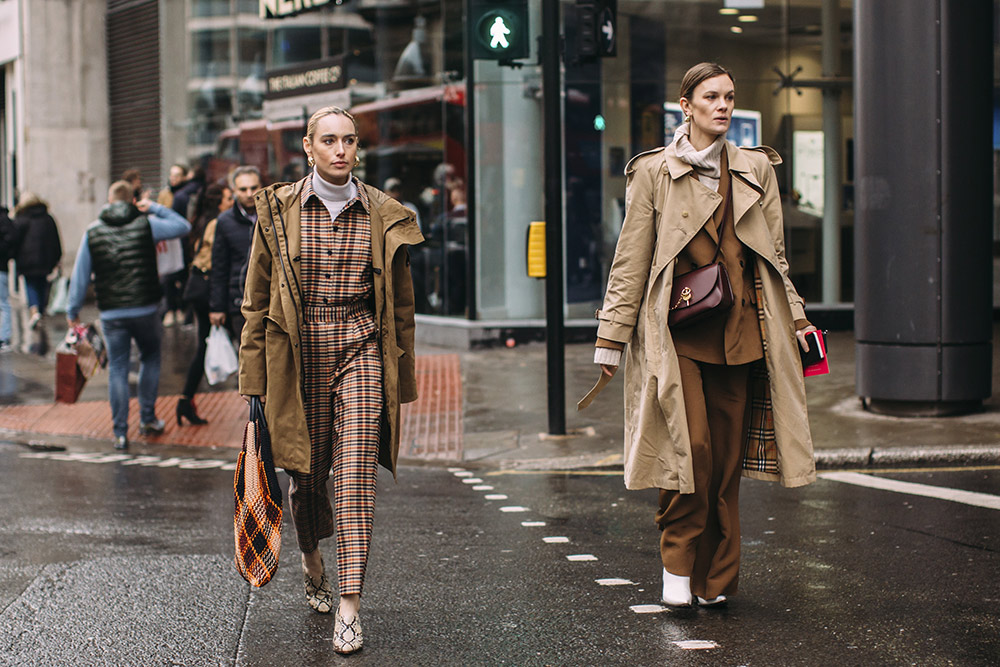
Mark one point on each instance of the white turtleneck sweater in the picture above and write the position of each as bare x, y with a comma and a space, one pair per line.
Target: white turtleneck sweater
707, 164
334, 197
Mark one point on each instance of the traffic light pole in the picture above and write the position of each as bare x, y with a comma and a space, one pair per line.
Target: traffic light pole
550, 46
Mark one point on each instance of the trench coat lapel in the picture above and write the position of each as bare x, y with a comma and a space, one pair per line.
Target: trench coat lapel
700, 203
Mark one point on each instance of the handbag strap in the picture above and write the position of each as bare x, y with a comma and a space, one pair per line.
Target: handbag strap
727, 205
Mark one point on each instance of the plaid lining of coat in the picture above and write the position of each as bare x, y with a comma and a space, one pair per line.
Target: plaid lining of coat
760, 454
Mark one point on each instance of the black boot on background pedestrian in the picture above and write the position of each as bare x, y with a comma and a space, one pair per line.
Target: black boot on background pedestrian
186, 409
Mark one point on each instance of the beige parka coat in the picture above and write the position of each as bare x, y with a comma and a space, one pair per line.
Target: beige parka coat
271, 347
665, 208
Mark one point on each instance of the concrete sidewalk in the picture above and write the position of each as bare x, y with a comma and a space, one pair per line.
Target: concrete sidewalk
489, 407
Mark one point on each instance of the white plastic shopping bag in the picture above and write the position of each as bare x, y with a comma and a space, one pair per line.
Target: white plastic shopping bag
220, 358
169, 257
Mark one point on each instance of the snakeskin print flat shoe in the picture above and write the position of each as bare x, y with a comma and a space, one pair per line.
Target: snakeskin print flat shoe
318, 593
347, 636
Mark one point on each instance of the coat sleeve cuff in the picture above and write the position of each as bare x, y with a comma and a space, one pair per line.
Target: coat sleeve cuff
620, 333
798, 311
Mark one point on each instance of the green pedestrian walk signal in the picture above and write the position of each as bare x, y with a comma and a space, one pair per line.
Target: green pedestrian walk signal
498, 29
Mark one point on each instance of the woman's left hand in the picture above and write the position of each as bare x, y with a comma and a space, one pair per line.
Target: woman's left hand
801, 335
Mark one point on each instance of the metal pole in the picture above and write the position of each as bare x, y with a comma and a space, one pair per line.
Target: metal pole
552, 123
832, 164
470, 172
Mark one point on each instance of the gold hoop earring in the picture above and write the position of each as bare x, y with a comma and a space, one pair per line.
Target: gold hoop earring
311, 162
357, 160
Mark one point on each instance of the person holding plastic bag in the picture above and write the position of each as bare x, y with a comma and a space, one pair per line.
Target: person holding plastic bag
328, 344
220, 359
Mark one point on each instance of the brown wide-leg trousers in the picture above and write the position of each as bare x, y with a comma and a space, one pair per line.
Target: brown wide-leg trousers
700, 535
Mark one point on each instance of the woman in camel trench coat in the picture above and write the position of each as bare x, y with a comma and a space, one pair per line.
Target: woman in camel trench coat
725, 397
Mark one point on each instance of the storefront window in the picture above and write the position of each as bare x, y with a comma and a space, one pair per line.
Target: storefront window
291, 46
252, 48
210, 53
210, 7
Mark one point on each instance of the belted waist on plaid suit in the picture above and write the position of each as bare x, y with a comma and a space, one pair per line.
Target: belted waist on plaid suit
340, 312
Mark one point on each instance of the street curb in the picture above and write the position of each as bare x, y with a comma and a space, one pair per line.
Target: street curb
882, 457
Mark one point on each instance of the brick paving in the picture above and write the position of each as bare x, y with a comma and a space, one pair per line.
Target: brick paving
431, 426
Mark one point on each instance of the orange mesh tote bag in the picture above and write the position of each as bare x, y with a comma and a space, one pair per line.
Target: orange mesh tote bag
257, 519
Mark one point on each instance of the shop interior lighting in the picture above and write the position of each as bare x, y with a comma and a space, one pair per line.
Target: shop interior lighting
729, 11
736, 29
747, 18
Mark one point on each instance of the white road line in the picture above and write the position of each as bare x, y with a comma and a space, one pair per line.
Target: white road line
515, 508
581, 558
914, 489
555, 539
482, 487
456, 469
463, 473
472, 480
532, 524
495, 496
615, 582
648, 608
695, 644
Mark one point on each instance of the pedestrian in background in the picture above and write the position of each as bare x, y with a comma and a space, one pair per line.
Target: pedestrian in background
216, 199
394, 188
38, 254
725, 395
134, 178
119, 251
8, 249
328, 281
233, 233
173, 261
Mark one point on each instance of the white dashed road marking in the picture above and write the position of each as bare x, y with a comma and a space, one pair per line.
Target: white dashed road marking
579, 558
495, 496
515, 508
555, 539
695, 644
133, 460
533, 524
914, 489
482, 487
648, 608
472, 480
615, 582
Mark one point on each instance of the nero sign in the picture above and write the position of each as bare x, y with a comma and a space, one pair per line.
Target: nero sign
278, 9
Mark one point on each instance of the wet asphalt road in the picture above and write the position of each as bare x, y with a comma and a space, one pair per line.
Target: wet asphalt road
128, 562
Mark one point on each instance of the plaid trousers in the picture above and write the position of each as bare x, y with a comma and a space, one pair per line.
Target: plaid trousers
343, 387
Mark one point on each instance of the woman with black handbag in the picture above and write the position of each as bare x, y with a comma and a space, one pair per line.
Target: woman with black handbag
216, 198
328, 344
700, 305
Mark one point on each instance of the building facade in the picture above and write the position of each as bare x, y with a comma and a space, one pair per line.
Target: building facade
222, 85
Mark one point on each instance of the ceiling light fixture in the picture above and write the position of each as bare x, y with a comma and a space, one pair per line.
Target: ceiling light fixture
729, 11
747, 18
736, 29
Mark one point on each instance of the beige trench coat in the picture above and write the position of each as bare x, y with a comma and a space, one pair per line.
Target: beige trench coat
270, 350
665, 208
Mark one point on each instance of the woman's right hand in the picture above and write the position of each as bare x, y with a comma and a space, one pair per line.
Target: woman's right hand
608, 370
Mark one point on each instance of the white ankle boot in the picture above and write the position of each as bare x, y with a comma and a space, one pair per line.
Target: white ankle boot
676, 590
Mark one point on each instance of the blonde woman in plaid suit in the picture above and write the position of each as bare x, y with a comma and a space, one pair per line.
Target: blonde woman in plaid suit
328, 344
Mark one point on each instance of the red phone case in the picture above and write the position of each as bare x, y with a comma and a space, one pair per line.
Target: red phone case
823, 366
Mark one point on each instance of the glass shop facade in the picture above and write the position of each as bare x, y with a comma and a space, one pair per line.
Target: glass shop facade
401, 67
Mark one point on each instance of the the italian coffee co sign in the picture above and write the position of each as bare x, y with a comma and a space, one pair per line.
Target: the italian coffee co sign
279, 9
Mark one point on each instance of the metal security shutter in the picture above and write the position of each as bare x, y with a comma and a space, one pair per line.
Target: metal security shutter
133, 38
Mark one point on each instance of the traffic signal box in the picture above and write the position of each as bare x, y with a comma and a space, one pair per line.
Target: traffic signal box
597, 28
499, 29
